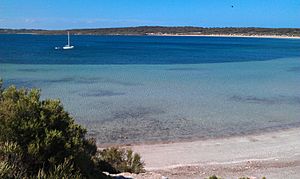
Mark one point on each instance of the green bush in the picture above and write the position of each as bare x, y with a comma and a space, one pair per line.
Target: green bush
214, 177
120, 159
37, 136
65, 170
11, 165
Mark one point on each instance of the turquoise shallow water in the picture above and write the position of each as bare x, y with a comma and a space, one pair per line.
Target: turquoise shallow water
170, 102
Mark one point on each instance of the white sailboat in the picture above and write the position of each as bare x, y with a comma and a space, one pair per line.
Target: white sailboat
68, 46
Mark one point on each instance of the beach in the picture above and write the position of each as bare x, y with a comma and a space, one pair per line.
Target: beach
273, 155
229, 35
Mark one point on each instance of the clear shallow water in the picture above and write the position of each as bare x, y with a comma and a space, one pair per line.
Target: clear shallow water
168, 102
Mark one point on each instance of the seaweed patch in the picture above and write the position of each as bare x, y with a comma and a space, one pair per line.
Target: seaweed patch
101, 93
294, 69
266, 100
187, 69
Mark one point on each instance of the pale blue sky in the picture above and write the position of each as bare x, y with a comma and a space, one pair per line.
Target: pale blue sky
64, 14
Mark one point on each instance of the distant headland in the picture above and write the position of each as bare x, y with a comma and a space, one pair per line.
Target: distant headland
169, 31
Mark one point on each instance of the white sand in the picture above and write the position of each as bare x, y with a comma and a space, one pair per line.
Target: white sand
274, 155
232, 35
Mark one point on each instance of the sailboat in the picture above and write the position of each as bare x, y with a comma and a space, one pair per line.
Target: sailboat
68, 46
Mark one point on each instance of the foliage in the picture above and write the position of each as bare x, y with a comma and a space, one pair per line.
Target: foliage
120, 159
37, 136
11, 165
65, 170
214, 177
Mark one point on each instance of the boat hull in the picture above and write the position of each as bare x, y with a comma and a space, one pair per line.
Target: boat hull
68, 47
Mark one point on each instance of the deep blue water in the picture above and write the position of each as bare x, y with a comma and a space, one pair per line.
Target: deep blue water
39, 49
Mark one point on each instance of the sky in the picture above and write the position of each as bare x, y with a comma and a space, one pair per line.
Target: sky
68, 14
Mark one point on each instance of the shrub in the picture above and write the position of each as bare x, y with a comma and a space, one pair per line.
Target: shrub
214, 177
36, 138
11, 165
65, 170
120, 159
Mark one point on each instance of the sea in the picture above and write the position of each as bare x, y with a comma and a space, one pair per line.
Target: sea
152, 89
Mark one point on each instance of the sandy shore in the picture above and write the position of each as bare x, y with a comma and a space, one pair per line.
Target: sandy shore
274, 155
233, 35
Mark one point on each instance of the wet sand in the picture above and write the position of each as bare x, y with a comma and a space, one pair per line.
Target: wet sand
274, 155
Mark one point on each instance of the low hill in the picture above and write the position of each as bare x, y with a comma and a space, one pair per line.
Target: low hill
161, 30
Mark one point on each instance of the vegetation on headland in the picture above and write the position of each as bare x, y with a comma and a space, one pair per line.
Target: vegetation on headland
162, 30
39, 139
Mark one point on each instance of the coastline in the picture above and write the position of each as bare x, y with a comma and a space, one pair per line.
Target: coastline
225, 35
175, 35
273, 154
258, 132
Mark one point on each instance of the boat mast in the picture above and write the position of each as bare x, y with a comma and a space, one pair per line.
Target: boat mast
68, 38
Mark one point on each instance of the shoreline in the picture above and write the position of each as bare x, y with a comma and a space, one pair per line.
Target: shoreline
173, 35
192, 139
229, 36
273, 154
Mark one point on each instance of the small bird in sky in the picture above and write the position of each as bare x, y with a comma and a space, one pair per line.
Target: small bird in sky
232, 6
